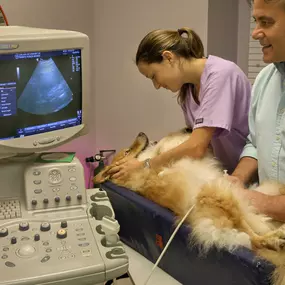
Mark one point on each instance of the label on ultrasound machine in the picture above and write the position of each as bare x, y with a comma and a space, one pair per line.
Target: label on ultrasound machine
3, 18
56, 157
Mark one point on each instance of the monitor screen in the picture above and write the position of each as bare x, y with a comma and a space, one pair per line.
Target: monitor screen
39, 92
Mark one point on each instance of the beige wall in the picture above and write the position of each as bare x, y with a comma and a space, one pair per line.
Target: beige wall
223, 28
228, 30
126, 102
243, 34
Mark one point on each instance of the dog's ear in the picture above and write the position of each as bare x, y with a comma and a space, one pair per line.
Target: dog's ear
102, 176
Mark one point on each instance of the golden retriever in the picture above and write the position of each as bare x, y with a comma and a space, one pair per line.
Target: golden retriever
220, 217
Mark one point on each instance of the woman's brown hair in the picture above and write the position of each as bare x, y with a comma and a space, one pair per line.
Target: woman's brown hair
184, 43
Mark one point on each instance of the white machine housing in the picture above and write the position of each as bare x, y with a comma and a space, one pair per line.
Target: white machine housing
53, 231
15, 39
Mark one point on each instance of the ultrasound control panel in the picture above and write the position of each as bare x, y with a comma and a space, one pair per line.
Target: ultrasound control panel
44, 240
52, 185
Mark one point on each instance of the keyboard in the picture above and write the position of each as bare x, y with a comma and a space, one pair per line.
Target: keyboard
10, 209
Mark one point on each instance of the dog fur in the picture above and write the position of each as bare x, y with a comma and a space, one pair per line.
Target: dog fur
221, 218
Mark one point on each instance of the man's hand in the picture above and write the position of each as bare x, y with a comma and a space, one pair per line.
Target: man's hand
235, 180
246, 170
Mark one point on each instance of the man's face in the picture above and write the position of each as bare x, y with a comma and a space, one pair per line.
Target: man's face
270, 29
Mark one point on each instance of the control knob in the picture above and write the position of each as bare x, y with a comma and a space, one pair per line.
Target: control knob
61, 234
36, 237
13, 240
63, 224
3, 232
45, 227
24, 226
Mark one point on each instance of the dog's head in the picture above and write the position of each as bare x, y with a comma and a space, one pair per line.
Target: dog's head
140, 143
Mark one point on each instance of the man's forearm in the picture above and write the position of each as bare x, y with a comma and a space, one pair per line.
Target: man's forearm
246, 169
272, 206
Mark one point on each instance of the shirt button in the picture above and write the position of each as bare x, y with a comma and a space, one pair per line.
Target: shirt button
278, 138
273, 164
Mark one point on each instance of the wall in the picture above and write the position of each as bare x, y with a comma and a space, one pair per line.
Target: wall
229, 30
223, 28
126, 102
244, 15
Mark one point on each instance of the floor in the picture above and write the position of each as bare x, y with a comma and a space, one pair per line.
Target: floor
125, 281
140, 269
122, 281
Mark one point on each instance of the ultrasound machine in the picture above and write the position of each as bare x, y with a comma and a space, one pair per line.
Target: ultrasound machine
52, 231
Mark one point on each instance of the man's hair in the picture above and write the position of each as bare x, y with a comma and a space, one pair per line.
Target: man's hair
268, 1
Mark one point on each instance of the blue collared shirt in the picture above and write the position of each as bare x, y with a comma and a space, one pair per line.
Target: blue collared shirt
266, 141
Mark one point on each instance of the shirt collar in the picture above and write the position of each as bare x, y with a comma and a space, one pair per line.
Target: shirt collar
280, 67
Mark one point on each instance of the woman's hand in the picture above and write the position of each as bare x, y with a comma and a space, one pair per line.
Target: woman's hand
123, 167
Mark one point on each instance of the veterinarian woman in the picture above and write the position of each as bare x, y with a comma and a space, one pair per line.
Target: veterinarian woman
214, 95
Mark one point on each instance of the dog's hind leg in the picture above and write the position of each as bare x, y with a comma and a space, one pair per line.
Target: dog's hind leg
212, 228
274, 240
219, 220
222, 233
216, 218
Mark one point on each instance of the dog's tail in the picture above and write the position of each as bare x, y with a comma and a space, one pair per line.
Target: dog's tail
277, 258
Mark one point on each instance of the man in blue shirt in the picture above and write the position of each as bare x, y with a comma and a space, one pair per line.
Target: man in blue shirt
265, 148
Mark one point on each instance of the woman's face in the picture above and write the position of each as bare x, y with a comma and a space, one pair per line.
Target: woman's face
166, 74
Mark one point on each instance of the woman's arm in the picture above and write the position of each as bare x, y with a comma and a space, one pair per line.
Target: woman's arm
196, 147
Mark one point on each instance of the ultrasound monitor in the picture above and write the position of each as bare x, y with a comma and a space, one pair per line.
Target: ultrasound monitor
43, 88
39, 92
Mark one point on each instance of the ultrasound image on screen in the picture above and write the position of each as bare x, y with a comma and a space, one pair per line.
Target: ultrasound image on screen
46, 92
39, 92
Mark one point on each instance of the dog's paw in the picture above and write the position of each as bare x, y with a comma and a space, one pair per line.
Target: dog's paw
274, 240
